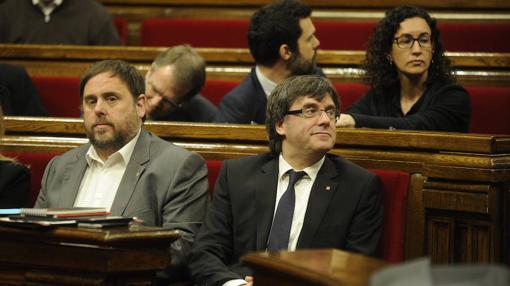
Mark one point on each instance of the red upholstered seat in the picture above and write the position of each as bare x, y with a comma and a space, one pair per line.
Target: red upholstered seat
490, 109
121, 25
36, 162
60, 95
214, 90
395, 185
213, 167
349, 93
224, 33
475, 36
344, 35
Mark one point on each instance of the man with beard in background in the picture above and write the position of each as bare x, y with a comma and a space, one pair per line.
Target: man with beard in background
282, 40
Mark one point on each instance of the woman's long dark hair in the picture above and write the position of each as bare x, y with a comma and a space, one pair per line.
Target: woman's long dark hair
380, 73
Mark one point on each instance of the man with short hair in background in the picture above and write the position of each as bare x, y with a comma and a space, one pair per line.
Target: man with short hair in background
173, 84
281, 38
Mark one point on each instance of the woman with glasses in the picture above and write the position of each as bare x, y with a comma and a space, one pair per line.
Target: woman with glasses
14, 179
411, 83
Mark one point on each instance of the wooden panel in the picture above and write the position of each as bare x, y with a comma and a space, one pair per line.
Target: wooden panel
439, 239
415, 226
456, 201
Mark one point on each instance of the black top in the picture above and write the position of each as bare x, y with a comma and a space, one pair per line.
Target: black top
197, 109
443, 107
18, 95
14, 185
74, 22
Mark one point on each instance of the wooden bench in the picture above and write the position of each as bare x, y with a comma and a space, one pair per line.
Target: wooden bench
233, 64
458, 194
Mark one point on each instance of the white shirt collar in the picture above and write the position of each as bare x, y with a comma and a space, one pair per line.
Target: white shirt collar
47, 9
124, 153
311, 171
267, 85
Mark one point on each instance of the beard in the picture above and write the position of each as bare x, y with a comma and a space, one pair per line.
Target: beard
103, 141
297, 65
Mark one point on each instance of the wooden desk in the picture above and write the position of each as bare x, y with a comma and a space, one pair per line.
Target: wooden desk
78, 256
234, 64
312, 267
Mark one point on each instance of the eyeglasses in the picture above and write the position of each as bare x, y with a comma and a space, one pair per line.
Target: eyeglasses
170, 101
312, 112
406, 41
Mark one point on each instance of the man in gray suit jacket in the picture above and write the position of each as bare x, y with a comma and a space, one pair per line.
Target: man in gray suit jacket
124, 168
334, 204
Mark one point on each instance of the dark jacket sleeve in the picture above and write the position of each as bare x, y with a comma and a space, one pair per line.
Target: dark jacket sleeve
365, 229
448, 109
14, 185
23, 97
213, 248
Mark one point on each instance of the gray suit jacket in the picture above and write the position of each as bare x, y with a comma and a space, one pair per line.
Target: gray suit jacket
164, 185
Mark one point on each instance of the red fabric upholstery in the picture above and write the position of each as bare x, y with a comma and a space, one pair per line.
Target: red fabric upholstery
213, 167
349, 93
394, 186
490, 109
475, 36
214, 90
121, 25
343, 35
60, 95
36, 162
224, 33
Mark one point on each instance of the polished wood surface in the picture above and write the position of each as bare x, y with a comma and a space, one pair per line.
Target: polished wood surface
458, 194
233, 64
312, 267
80, 256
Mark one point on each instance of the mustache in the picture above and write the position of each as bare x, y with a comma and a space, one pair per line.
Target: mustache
101, 122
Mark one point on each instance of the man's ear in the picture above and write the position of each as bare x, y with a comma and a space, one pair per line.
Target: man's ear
141, 106
285, 52
279, 128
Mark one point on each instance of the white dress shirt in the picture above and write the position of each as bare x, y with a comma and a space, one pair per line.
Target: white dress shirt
303, 188
267, 85
102, 178
47, 9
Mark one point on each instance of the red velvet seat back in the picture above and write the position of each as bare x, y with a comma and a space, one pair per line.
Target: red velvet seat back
395, 185
121, 25
476, 36
213, 167
214, 90
343, 35
36, 162
60, 95
349, 93
490, 109
224, 33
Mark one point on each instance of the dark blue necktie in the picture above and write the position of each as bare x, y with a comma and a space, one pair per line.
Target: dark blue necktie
280, 230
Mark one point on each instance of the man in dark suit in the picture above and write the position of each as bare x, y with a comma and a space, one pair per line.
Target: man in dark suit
173, 84
336, 204
124, 168
281, 37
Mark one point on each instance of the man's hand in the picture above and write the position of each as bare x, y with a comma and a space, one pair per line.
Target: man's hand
249, 279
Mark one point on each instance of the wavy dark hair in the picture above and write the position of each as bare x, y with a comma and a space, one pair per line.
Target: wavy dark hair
380, 73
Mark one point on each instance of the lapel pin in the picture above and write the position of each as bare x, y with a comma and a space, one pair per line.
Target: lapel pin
328, 188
